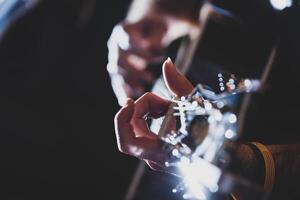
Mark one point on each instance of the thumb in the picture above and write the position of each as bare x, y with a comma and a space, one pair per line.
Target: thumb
175, 81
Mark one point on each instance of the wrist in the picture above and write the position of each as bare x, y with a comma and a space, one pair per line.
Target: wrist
248, 163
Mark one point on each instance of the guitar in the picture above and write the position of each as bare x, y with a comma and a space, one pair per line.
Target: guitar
205, 126
11, 10
198, 129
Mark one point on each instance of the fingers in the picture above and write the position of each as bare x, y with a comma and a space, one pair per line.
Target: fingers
141, 147
132, 69
151, 104
161, 167
148, 105
175, 81
137, 78
123, 128
135, 65
149, 149
154, 166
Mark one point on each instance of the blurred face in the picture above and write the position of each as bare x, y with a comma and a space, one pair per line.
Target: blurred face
138, 43
150, 32
146, 37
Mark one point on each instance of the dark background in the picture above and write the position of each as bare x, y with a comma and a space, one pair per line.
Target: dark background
57, 106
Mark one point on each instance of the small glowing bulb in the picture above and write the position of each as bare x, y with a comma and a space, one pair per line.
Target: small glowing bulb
171, 137
218, 116
185, 160
220, 104
247, 83
229, 134
194, 104
281, 4
214, 189
208, 106
210, 119
200, 111
232, 87
186, 196
232, 118
175, 152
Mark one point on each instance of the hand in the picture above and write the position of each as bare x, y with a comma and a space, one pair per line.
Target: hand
130, 53
141, 39
133, 135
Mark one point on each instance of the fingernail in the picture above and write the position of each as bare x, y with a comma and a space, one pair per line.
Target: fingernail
169, 61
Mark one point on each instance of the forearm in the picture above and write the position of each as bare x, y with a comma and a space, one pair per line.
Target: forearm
287, 166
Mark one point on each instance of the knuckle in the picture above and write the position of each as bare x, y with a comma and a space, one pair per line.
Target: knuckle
125, 144
123, 148
147, 95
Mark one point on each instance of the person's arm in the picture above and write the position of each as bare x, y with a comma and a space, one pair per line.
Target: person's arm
135, 138
287, 166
